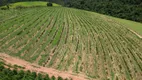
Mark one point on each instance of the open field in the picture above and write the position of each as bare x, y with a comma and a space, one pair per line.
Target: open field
10, 14
30, 4
75, 41
135, 26
131, 24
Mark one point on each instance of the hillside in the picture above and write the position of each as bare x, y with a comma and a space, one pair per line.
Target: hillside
80, 43
29, 4
126, 9
135, 26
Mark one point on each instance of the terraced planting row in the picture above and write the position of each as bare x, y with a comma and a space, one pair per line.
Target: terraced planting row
74, 40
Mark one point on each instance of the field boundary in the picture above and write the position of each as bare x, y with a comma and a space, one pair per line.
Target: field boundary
39, 69
135, 33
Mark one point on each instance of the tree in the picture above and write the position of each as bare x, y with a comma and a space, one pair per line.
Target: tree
60, 78
53, 78
39, 77
1, 67
34, 74
47, 77
127, 9
49, 4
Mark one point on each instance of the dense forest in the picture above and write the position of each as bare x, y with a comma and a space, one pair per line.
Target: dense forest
127, 9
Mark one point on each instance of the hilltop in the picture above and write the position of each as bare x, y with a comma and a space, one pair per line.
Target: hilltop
30, 4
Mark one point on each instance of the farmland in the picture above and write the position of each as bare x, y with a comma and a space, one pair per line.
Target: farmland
73, 40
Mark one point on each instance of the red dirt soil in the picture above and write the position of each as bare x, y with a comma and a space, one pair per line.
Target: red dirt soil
39, 69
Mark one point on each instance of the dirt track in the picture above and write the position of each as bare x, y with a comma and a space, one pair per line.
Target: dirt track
33, 67
135, 33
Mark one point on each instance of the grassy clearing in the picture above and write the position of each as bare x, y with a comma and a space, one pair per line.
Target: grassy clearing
30, 4
137, 27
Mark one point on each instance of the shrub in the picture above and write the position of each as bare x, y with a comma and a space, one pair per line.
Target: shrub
53, 78
49, 4
60, 78
1, 67
7, 6
3, 8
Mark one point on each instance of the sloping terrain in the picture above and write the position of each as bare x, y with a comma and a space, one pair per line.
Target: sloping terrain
12, 61
75, 41
131, 24
29, 4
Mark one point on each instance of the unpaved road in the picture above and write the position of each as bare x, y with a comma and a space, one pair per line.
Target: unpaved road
33, 67
135, 33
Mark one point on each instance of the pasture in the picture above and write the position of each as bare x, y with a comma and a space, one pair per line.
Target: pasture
29, 4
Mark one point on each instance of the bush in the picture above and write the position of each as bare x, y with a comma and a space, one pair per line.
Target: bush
7, 6
60, 78
8, 74
3, 8
49, 4
1, 67
53, 78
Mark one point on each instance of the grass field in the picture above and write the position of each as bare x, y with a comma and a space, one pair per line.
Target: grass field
131, 24
136, 26
30, 4
73, 40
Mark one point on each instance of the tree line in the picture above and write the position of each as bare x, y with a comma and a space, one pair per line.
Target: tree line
9, 74
127, 9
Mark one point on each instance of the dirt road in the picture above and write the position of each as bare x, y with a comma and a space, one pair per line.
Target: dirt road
135, 33
33, 67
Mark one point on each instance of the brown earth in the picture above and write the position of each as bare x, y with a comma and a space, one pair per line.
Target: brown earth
39, 69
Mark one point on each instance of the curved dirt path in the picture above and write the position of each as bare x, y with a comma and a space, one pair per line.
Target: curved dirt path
135, 33
33, 67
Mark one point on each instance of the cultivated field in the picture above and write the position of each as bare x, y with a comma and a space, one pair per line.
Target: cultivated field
75, 41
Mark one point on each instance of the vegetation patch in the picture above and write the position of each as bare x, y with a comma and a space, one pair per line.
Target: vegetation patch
14, 74
28, 4
73, 40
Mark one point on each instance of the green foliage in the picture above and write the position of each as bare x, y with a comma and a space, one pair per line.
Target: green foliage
46, 77
60, 78
28, 4
53, 78
72, 31
127, 9
8, 74
49, 4
1, 67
